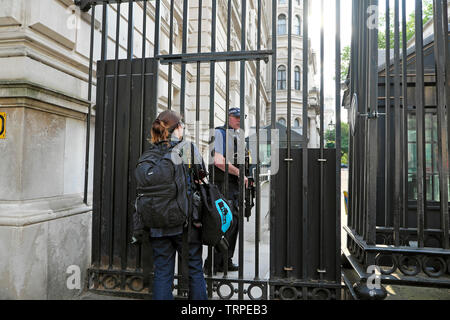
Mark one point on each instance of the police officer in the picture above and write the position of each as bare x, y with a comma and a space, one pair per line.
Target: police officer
233, 182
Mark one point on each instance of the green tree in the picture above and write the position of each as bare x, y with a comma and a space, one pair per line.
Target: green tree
345, 62
330, 140
410, 25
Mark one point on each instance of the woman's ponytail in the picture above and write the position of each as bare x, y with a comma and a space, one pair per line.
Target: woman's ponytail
164, 126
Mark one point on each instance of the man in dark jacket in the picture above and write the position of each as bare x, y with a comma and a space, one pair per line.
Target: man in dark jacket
232, 194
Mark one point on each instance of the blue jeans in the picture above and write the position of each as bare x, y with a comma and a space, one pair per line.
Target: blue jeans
164, 261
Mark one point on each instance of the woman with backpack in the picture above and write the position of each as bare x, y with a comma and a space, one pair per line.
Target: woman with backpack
166, 196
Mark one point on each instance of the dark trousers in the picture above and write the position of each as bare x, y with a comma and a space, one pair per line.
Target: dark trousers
232, 233
164, 262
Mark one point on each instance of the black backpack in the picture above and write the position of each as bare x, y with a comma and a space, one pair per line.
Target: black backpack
161, 188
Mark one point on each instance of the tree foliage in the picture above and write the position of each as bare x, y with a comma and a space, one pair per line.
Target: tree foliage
330, 140
427, 14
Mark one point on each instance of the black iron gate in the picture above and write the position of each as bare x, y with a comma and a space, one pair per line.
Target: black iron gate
398, 209
304, 194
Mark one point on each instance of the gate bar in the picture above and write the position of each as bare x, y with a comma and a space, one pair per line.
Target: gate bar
405, 116
397, 203
101, 137
241, 166
112, 186
373, 138
441, 113
216, 56
420, 125
273, 106
183, 65
227, 105
338, 138
89, 115
387, 161
199, 49
258, 160
447, 66
322, 270
305, 151
288, 267
169, 94
142, 106
212, 91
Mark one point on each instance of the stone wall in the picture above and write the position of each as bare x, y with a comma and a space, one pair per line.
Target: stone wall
44, 225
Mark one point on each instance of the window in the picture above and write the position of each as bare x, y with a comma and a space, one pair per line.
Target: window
281, 81
297, 123
281, 1
297, 78
281, 24
297, 26
282, 121
431, 157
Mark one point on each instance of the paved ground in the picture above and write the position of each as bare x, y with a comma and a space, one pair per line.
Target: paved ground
394, 292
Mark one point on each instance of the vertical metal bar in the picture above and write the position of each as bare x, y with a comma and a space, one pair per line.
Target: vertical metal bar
197, 97
212, 91
157, 25
127, 133
113, 135
183, 64
373, 133
170, 80
227, 99
242, 166
143, 70
387, 162
439, 29
322, 148
338, 139
397, 203
353, 89
258, 161
305, 152
273, 107
447, 65
98, 151
142, 106
405, 116
288, 267
420, 125
89, 115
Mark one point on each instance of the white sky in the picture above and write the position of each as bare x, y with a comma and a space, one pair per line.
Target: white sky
329, 35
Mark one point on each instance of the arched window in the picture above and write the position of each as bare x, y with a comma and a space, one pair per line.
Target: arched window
298, 25
297, 123
282, 121
281, 24
281, 78
297, 78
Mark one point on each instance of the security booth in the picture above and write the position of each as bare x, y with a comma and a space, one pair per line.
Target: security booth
398, 218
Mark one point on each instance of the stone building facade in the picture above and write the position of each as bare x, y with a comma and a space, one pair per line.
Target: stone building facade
45, 228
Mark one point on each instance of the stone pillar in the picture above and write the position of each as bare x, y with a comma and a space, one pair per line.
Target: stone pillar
44, 225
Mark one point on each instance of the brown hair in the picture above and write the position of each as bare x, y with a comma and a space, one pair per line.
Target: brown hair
164, 126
